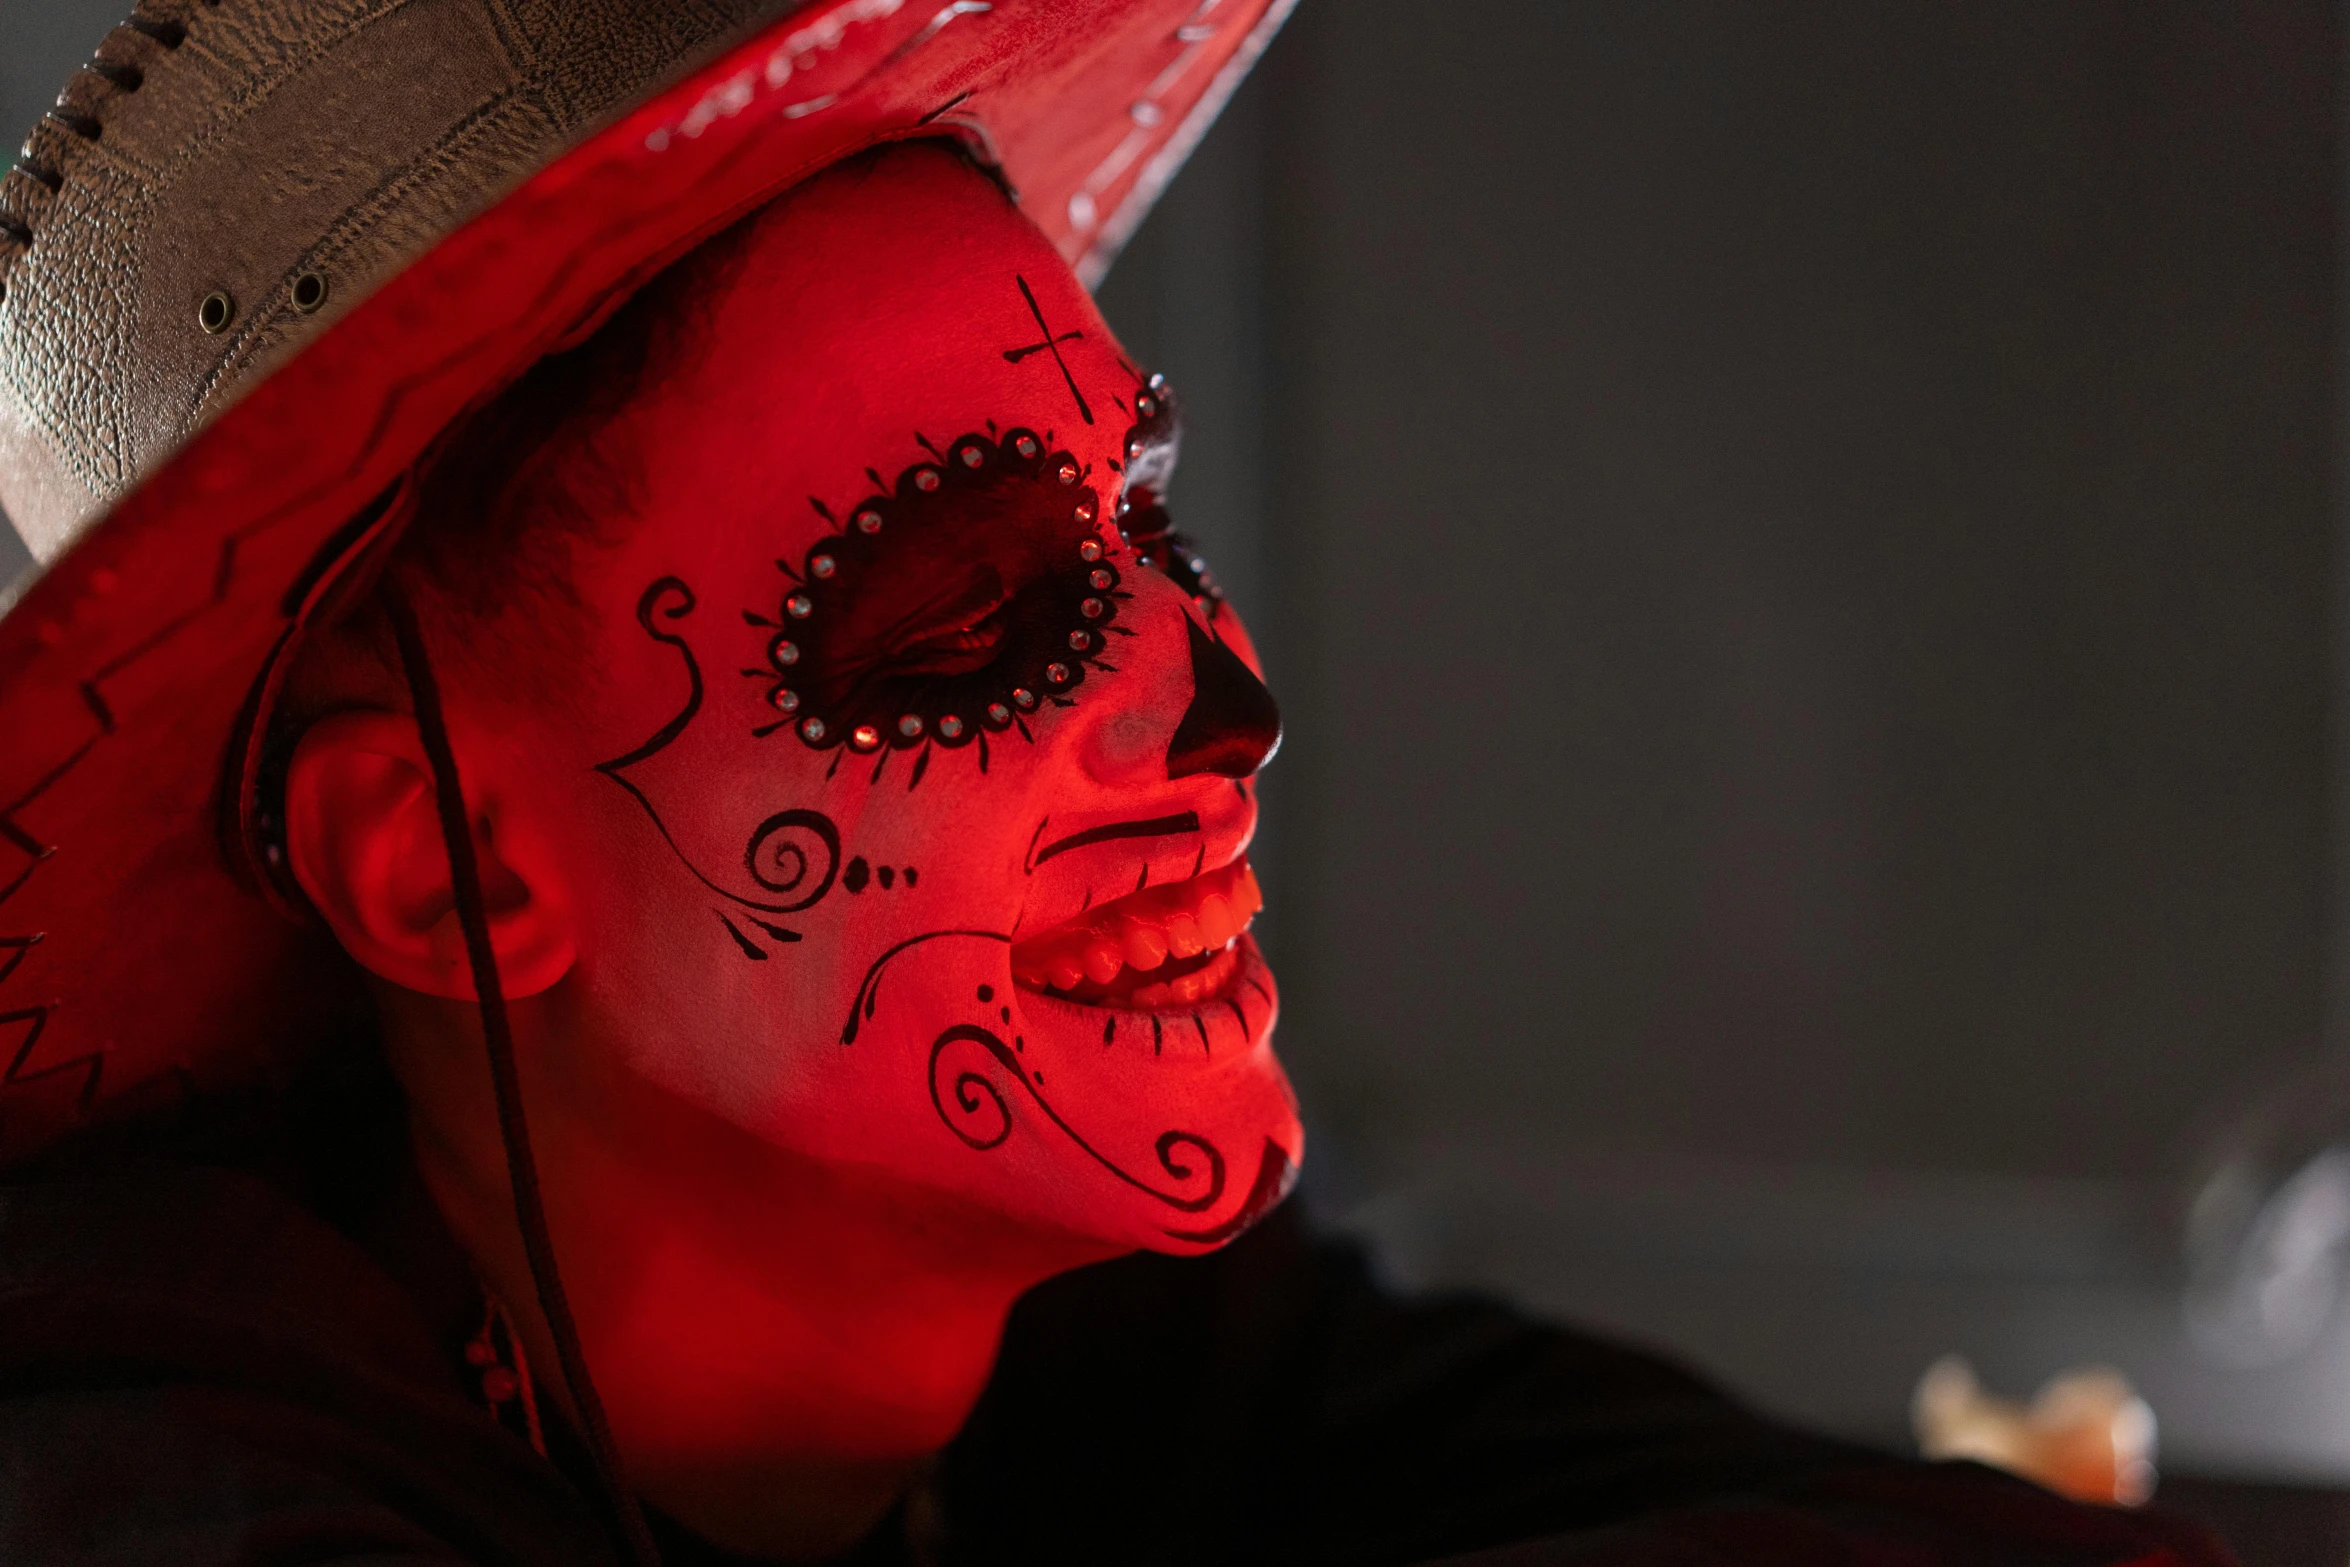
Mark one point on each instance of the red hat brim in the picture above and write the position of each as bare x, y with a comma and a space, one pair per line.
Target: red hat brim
140, 959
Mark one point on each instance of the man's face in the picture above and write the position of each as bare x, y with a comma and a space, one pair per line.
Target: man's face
919, 797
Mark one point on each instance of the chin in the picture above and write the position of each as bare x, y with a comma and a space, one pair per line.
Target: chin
1146, 1106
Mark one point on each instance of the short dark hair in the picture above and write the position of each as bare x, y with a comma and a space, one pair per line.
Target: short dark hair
499, 508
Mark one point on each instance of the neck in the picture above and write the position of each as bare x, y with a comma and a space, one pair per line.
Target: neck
780, 1344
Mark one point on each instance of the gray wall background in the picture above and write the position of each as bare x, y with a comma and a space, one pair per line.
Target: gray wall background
1797, 543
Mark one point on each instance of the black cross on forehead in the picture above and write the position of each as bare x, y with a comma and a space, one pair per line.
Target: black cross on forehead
1050, 345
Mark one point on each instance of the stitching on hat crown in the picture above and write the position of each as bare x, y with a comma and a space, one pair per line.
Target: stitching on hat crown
68, 114
115, 65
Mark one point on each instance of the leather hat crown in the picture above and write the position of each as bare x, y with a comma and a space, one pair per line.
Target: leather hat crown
221, 177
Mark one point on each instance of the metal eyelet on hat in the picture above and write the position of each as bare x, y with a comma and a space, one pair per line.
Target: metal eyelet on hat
308, 292
216, 312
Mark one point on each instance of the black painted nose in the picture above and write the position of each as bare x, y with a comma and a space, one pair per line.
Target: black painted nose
1233, 725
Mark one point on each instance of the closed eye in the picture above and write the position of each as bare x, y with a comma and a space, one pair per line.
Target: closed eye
955, 629
954, 649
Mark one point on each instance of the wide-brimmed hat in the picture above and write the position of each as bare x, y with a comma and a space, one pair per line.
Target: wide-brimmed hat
259, 257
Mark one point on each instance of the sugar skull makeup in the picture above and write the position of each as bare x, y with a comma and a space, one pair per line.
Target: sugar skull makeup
980, 588
921, 746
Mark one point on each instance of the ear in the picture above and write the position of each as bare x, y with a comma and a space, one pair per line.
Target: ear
363, 829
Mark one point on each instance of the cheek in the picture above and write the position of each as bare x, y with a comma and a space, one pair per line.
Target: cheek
705, 880
1127, 743
1127, 723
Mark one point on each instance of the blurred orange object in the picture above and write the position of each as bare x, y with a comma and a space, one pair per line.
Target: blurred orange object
2088, 1435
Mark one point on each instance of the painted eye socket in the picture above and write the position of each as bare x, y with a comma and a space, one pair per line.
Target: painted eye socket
947, 606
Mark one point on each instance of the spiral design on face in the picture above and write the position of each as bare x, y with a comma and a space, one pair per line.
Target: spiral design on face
971, 1101
980, 1115
795, 855
1169, 1148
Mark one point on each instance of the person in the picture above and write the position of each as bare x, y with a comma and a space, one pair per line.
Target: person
629, 932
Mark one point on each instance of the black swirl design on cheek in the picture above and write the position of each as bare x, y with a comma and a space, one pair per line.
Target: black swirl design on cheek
792, 851
975, 1107
868, 998
793, 856
980, 1115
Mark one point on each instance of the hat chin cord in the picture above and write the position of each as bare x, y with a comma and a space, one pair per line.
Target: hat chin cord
521, 1170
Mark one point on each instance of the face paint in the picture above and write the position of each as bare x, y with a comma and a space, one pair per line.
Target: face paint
916, 776
948, 609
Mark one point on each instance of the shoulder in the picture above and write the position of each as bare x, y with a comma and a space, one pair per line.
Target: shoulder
193, 1369
1273, 1403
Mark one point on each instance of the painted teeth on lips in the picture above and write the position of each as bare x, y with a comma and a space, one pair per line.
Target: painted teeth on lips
1160, 947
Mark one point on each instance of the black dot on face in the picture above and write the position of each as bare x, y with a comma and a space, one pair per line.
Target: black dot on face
888, 875
987, 992
1020, 1044
910, 875
858, 873
1005, 1013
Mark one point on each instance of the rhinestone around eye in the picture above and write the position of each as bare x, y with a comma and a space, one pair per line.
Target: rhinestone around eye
926, 479
822, 566
1144, 406
972, 456
1090, 550
910, 726
1067, 472
1086, 510
997, 713
812, 730
1080, 640
1101, 580
787, 653
799, 606
864, 737
1025, 445
1023, 698
1134, 447
785, 701
950, 727
1058, 674
1091, 609
1158, 383
868, 522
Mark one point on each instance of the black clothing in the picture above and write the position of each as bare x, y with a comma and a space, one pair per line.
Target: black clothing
201, 1366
